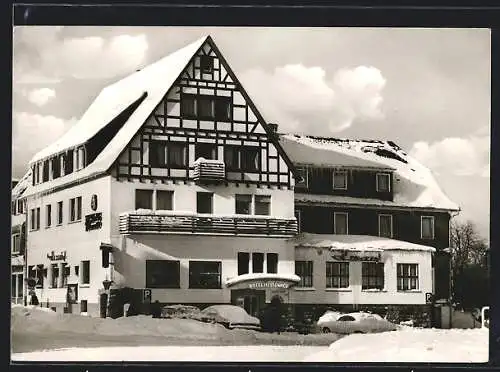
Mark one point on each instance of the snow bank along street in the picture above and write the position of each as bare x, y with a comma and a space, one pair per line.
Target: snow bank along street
410, 345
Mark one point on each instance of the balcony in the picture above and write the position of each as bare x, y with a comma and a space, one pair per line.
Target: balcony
175, 222
206, 170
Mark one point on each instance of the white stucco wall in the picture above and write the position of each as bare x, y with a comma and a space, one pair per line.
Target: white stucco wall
319, 294
135, 250
71, 237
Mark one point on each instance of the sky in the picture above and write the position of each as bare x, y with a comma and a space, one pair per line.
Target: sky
428, 90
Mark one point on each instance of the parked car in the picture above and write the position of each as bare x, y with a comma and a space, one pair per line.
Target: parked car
354, 323
232, 317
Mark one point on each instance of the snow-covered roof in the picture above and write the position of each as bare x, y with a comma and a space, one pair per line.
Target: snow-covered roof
155, 80
22, 185
356, 243
414, 184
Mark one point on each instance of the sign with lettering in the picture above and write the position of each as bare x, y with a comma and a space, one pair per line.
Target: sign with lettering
57, 257
261, 284
93, 221
428, 298
346, 255
146, 295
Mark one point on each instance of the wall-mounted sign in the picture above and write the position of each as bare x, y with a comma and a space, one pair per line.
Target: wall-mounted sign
72, 293
146, 295
428, 298
261, 284
345, 255
93, 202
93, 221
56, 257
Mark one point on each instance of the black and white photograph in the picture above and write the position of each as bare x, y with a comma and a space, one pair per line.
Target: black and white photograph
250, 194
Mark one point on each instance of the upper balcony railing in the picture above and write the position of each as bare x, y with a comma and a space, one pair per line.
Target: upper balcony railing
206, 170
176, 222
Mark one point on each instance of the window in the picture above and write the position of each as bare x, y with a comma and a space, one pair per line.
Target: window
243, 204
339, 180
262, 205
383, 182
162, 274
204, 202
302, 183
257, 262
45, 171
55, 276
206, 151
372, 275
75, 209
65, 274
143, 199
427, 227
20, 206
206, 64
223, 108
205, 107
205, 274
35, 219
272, 263
80, 158
188, 106
164, 200
68, 163
162, 154
16, 243
84, 272
48, 215
231, 157
38, 274
341, 223
337, 274
304, 269
56, 167
60, 213
243, 262
407, 277
385, 225
250, 159
298, 216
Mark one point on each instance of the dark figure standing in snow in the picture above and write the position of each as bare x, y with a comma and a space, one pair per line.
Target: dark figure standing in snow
34, 299
156, 309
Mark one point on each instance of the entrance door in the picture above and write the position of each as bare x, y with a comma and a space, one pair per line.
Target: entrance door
251, 305
251, 300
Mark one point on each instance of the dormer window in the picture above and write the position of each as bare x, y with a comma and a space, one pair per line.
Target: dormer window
80, 158
339, 180
206, 64
302, 181
383, 182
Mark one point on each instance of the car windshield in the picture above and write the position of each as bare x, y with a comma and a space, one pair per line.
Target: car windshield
346, 318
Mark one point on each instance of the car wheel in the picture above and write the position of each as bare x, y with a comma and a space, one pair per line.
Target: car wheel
326, 330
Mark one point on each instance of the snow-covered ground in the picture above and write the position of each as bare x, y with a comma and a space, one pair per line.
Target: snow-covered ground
261, 353
409, 345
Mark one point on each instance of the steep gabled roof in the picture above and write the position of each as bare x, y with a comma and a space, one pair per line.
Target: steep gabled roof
414, 184
154, 81
21, 186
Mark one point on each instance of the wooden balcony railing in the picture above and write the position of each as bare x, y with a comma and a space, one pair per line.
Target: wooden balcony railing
209, 170
203, 224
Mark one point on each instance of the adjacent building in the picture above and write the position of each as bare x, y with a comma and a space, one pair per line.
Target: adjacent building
173, 184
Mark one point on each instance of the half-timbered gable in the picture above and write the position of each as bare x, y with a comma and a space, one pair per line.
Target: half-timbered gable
206, 129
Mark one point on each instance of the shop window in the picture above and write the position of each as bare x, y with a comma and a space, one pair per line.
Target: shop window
304, 269
372, 275
337, 274
162, 274
407, 277
205, 274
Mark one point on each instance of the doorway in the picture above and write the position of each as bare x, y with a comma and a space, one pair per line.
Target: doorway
251, 300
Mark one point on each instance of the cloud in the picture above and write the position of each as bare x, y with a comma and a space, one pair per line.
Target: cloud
454, 155
31, 133
49, 56
303, 99
41, 96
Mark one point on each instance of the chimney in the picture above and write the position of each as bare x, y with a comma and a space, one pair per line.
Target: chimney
273, 127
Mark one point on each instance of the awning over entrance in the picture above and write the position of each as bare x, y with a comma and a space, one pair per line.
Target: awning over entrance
263, 281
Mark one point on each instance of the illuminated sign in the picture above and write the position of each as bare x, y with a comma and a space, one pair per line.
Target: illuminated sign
268, 284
